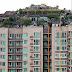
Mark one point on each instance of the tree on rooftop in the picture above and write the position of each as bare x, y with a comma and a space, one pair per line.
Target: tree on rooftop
12, 18
40, 21
5, 23
50, 16
25, 21
62, 11
8, 23
20, 11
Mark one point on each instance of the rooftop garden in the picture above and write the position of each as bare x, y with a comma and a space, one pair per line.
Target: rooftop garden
55, 16
39, 11
11, 21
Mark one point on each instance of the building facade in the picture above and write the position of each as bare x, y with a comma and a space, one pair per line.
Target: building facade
21, 49
45, 48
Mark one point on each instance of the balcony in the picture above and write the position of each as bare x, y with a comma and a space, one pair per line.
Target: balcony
31, 57
18, 39
31, 50
31, 37
15, 67
31, 64
15, 53
31, 44
18, 46
17, 60
31, 70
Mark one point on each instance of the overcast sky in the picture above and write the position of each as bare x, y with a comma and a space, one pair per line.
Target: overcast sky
9, 5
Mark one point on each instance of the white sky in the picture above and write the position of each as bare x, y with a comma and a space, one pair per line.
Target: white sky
9, 5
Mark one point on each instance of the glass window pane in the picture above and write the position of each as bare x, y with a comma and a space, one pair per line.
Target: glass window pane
3, 70
24, 48
71, 40
25, 55
3, 42
71, 48
4, 36
36, 34
25, 63
25, 41
71, 33
25, 34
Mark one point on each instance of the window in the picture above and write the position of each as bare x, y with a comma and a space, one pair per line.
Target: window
3, 42
71, 40
57, 42
71, 48
71, 62
56, 55
36, 62
57, 35
36, 48
24, 69
45, 50
3, 70
63, 41
17, 35
21, 50
57, 69
21, 36
45, 64
57, 48
3, 36
71, 68
36, 34
71, 33
45, 36
2, 49
62, 48
3, 64
45, 58
36, 69
25, 55
2, 56
25, 34
63, 62
56, 63
25, 63
45, 44
45, 70
25, 41
36, 55
63, 34
10, 35
63, 55
36, 42
70, 54
25, 48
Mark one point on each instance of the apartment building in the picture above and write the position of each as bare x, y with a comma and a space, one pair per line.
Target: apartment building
62, 48
46, 48
21, 49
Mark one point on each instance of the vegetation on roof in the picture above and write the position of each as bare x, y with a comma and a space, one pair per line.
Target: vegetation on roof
41, 10
25, 21
9, 22
50, 16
